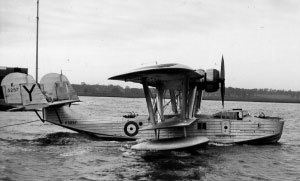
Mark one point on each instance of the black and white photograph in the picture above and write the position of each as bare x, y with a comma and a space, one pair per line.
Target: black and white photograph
149, 90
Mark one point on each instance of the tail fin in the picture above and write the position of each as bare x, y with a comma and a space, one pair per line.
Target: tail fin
21, 90
57, 87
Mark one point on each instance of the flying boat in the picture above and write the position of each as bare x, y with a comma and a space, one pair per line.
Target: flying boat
173, 95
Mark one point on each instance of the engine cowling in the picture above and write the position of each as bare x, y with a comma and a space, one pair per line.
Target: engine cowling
212, 80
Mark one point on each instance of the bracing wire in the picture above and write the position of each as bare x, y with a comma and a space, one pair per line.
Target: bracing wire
19, 124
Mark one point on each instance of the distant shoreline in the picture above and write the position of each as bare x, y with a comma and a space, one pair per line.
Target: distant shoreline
232, 94
4, 106
270, 101
231, 100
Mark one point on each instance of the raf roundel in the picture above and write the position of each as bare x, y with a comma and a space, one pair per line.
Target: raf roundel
131, 128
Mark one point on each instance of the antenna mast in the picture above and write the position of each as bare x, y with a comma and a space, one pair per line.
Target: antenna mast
37, 42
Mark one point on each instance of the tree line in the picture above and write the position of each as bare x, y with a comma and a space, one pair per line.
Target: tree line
232, 94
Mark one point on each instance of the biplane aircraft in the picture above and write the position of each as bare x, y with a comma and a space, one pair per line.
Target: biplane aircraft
175, 87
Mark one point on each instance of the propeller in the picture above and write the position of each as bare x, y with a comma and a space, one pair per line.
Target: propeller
212, 80
222, 80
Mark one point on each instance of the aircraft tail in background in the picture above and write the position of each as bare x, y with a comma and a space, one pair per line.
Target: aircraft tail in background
57, 87
22, 92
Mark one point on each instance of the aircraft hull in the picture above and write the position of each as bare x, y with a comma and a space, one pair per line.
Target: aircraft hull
249, 130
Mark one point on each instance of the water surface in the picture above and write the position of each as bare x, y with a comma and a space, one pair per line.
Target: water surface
42, 151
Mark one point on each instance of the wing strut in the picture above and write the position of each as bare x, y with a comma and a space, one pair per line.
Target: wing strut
192, 97
184, 98
160, 106
39, 116
148, 100
58, 116
173, 101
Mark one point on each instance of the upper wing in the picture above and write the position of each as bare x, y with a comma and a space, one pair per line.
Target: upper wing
156, 74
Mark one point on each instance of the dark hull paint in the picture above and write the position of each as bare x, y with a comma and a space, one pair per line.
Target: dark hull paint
265, 140
5, 107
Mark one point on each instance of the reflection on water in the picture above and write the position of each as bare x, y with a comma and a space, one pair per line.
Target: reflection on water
38, 151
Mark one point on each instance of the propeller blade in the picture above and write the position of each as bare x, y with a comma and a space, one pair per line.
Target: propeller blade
222, 92
222, 80
222, 76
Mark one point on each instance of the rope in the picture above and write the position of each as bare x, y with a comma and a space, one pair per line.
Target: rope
19, 124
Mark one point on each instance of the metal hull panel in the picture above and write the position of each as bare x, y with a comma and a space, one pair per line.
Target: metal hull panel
250, 130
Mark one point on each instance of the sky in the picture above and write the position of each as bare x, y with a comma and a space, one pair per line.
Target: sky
92, 40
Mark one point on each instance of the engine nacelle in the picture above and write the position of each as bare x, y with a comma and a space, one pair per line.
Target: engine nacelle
212, 87
212, 75
212, 80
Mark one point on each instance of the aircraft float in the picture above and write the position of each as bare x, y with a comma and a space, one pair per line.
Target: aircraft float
175, 85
